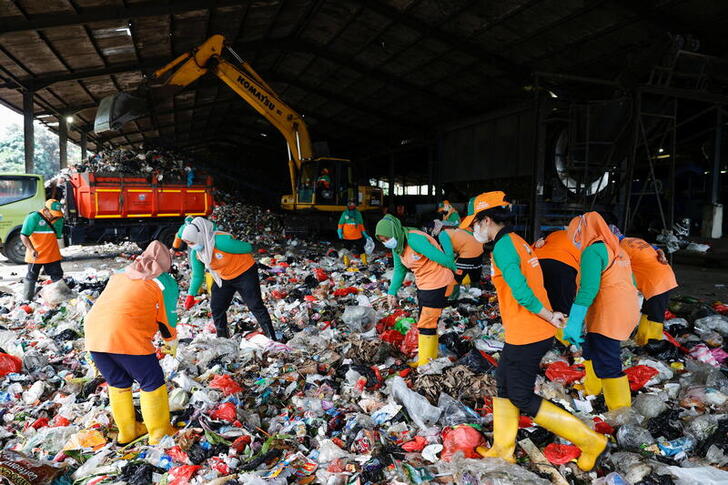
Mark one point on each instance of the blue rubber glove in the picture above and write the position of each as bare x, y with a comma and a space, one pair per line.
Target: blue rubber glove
340, 233
574, 325
364, 233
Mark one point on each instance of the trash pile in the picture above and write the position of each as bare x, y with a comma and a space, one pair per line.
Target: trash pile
337, 403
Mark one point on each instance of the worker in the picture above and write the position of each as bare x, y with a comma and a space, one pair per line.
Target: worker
655, 280
42, 236
119, 331
352, 231
414, 250
233, 269
450, 216
559, 260
177, 243
607, 300
323, 184
530, 326
467, 249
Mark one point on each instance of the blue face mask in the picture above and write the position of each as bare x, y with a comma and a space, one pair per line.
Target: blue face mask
198, 247
390, 243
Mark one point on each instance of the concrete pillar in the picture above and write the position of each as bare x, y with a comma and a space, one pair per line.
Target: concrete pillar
713, 212
63, 142
28, 132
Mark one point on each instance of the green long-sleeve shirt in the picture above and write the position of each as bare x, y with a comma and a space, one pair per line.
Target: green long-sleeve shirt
423, 246
446, 243
509, 262
223, 242
594, 260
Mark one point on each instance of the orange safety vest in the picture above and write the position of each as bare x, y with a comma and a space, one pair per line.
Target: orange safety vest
228, 265
521, 326
464, 243
653, 278
615, 311
428, 274
124, 318
558, 247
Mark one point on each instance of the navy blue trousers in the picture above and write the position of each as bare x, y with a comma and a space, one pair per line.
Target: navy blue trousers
121, 370
605, 354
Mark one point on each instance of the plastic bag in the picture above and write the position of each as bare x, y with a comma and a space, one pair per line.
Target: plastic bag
476, 362
225, 411
369, 246
18, 469
419, 408
454, 412
9, 364
410, 343
359, 319
650, 405
559, 454
640, 375
706, 475
182, 475
562, 372
226, 384
462, 438
633, 437
56, 293
719, 323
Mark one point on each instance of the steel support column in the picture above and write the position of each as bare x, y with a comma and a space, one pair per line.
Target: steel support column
715, 175
539, 161
28, 132
391, 182
84, 143
63, 142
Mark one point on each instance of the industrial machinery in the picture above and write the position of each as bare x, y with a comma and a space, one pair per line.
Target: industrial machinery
317, 183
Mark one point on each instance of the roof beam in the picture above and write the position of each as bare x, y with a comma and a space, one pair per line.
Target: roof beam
152, 8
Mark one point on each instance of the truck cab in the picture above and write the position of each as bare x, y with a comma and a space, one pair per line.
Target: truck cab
20, 194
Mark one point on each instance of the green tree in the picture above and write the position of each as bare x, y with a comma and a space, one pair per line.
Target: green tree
45, 157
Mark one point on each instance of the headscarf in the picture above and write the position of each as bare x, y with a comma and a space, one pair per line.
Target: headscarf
202, 231
154, 261
586, 229
390, 227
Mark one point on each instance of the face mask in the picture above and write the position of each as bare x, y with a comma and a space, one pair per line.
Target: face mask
390, 243
481, 237
198, 247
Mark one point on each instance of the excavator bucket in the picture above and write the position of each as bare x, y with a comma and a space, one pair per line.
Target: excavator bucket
116, 110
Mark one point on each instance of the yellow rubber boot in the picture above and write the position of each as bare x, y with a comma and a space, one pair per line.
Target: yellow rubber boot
657, 330
560, 337
592, 384
208, 283
466, 280
426, 348
122, 409
155, 411
569, 427
505, 428
617, 393
647, 330
364, 259
346, 260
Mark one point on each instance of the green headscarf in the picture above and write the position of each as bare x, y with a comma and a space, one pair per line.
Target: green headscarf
390, 227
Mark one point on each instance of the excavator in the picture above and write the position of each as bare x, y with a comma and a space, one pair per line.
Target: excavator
318, 184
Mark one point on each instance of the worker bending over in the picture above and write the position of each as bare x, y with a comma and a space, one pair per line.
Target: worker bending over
119, 331
177, 243
418, 252
42, 236
352, 231
233, 269
607, 300
559, 260
529, 326
655, 280
450, 216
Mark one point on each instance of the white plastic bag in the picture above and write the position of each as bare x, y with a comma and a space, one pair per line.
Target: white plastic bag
369, 246
418, 407
56, 293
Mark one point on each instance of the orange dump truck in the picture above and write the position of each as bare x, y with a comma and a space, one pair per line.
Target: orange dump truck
113, 208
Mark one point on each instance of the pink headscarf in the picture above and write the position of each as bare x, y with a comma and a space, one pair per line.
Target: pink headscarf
154, 261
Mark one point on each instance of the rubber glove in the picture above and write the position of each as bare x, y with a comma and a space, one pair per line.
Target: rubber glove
170, 348
364, 233
189, 302
340, 233
572, 331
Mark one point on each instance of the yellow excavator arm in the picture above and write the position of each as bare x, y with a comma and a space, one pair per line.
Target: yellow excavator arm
243, 79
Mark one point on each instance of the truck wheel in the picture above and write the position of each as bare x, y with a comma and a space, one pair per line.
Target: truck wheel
14, 250
166, 236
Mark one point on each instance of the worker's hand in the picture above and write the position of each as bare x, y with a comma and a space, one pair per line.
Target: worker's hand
340, 233
572, 332
539, 244
34, 253
661, 256
170, 348
392, 301
558, 320
189, 302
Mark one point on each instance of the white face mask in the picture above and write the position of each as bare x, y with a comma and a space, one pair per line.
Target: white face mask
390, 243
481, 237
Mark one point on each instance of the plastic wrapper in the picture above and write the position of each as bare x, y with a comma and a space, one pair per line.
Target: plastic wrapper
418, 407
454, 412
359, 319
633, 437
718, 323
650, 405
465, 471
19, 469
698, 476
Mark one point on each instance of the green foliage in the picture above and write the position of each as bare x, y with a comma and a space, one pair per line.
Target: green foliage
45, 157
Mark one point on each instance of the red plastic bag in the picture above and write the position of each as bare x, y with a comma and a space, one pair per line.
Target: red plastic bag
346, 291
524, 421
417, 444
640, 375
393, 337
410, 342
226, 384
9, 364
561, 454
278, 294
720, 308
461, 438
225, 411
602, 427
181, 475
563, 372
389, 321
178, 455
320, 274
240, 443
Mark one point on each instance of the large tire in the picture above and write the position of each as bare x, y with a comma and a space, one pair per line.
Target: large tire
166, 236
14, 250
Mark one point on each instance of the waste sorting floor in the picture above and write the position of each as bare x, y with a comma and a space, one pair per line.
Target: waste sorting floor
337, 403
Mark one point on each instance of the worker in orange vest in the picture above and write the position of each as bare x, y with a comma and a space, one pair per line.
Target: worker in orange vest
655, 280
559, 260
530, 326
233, 269
352, 231
119, 329
607, 300
419, 252
450, 216
42, 236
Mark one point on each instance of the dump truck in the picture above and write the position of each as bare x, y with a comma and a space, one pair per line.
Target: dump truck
102, 208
